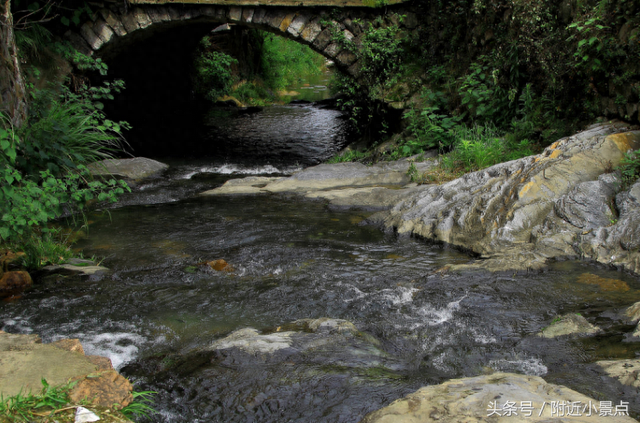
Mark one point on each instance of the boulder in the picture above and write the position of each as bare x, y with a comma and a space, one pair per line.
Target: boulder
633, 312
520, 214
134, 169
570, 324
14, 282
500, 397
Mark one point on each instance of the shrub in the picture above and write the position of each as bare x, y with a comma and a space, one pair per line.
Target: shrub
213, 74
630, 168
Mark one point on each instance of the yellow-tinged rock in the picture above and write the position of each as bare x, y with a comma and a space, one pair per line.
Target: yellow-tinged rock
604, 283
626, 141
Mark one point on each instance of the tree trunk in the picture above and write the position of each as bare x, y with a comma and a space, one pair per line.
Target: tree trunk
13, 100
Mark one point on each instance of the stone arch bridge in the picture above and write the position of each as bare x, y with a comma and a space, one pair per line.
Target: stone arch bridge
313, 23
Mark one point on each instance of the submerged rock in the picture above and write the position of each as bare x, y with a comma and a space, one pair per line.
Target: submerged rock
220, 265
134, 169
14, 282
76, 266
318, 341
570, 324
500, 397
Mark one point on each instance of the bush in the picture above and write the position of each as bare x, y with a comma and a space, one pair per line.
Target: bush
479, 147
213, 74
630, 168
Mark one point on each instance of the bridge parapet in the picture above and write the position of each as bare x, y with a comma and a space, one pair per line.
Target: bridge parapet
314, 26
293, 3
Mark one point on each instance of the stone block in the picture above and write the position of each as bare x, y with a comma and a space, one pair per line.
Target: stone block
323, 39
297, 25
112, 20
275, 18
235, 14
223, 13
353, 27
142, 18
186, 14
355, 70
78, 43
86, 31
209, 11
195, 12
311, 31
348, 35
332, 50
173, 14
102, 30
247, 14
259, 15
154, 14
284, 25
130, 22
346, 58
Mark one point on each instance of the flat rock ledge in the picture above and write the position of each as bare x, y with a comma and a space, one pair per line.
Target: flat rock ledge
344, 185
25, 361
500, 397
133, 170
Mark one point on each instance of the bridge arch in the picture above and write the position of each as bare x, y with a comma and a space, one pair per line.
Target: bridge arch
314, 26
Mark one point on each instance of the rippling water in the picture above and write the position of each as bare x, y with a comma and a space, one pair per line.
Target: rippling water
159, 310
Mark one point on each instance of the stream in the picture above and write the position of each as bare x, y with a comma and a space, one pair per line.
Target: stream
159, 310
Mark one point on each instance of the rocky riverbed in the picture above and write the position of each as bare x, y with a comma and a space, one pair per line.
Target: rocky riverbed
565, 203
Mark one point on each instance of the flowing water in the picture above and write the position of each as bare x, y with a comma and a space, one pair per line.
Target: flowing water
159, 310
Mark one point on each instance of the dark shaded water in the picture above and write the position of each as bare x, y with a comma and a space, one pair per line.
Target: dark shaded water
159, 310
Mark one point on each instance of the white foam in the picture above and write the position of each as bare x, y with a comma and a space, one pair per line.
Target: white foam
230, 169
16, 325
530, 366
437, 316
404, 296
111, 345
